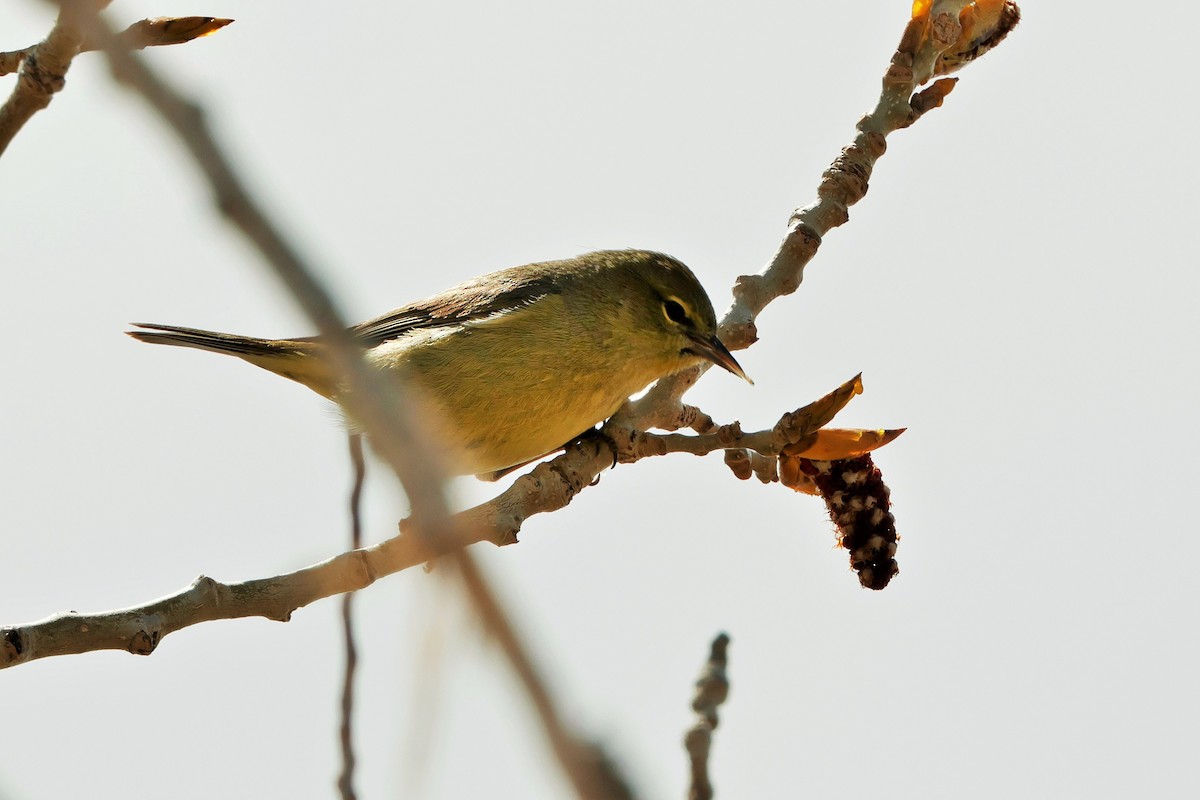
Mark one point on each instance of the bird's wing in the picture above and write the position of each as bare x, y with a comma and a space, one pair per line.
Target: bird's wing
477, 299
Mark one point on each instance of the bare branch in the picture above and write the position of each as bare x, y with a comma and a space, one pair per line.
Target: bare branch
153, 32
44, 66
139, 629
43, 70
712, 688
10, 61
550, 486
796, 429
925, 40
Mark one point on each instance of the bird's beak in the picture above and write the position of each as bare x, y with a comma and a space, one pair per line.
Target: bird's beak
717, 353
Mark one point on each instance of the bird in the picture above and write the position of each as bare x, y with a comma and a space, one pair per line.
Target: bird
515, 363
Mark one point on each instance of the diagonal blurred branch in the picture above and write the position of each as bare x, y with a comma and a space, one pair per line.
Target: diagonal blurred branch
374, 401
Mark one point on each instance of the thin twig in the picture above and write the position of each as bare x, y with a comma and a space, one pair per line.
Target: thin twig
346, 730
139, 629
712, 688
153, 32
792, 430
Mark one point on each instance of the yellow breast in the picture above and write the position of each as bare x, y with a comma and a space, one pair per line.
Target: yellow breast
518, 385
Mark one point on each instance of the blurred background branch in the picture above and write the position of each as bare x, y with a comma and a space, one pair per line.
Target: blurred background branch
712, 689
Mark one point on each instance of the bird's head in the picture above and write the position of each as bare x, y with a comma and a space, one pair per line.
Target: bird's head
672, 307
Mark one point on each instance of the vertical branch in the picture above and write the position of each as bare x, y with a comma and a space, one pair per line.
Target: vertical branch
712, 687
346, 779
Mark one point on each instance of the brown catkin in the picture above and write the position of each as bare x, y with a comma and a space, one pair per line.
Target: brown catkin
859, 505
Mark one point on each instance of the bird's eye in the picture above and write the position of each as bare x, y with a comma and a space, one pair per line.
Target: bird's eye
675, 311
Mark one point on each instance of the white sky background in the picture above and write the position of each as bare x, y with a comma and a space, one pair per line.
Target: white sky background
1018, 289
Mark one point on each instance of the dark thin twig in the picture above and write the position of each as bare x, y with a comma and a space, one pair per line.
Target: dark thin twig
346, 779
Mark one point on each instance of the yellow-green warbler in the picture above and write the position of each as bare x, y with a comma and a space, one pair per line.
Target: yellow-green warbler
517, 362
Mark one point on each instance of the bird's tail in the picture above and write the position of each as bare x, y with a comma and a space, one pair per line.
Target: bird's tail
300, 361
